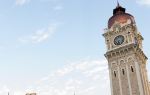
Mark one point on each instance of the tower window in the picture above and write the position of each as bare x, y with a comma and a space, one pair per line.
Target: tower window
132, 69
114, 73
123, 71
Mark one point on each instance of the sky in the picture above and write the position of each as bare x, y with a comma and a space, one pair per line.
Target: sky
56, 47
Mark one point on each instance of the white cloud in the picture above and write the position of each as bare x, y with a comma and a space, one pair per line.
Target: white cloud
75, 77
143, 2
40, 35
3, 90
22, 2
88, 77
19, 93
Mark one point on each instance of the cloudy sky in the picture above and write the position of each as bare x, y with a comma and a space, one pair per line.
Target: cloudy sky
55, 47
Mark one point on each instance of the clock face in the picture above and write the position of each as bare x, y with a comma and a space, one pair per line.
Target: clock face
119, 40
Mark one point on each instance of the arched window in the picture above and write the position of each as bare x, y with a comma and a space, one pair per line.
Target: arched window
123, 71
132, 69
114, 73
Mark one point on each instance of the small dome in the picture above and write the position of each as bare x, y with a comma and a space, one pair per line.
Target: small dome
120, 16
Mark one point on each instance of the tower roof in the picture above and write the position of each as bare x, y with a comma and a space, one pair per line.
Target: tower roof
118, 9
120, 16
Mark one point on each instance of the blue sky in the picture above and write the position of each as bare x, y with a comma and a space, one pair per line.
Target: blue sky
55, 47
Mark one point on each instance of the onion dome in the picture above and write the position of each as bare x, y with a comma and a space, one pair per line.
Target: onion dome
120, 16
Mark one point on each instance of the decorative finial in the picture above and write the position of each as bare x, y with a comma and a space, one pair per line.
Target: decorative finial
118, 3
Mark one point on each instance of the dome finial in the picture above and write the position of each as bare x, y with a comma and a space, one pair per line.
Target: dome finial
118, 3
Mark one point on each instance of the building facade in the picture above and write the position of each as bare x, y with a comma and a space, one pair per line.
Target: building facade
126, 59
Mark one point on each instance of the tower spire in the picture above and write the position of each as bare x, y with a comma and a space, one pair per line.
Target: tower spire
118, 3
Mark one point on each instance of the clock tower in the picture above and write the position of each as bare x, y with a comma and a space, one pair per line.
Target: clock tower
126, 59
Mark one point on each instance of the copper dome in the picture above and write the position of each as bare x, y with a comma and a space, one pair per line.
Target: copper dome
120, 16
